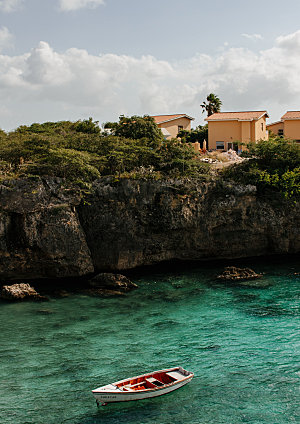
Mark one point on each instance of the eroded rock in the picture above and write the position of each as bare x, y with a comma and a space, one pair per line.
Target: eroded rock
47, 232
40, 233
22, 291
232, 273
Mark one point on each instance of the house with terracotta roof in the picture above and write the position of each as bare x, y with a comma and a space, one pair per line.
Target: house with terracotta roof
226, 129
288, 126
170, 125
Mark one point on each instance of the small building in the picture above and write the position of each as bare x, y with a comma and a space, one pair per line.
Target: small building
226, 129
288, 126
170, 125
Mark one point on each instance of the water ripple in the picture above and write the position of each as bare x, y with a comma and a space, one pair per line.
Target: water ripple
241, 342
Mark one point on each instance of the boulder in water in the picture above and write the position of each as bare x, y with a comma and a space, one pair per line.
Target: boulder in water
232, 273
22, 291
112, 282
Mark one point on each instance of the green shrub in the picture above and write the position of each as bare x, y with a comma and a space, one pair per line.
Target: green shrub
87, 126
66, 163
272, 165
197, 135
137, 127
78, 152
177, 159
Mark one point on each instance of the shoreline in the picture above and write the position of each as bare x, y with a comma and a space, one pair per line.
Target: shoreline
63, 287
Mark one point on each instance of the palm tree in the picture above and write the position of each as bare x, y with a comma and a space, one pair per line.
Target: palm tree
213, 104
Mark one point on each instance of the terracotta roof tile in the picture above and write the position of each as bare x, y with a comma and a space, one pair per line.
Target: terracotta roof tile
165, 118
237, 116
292, 114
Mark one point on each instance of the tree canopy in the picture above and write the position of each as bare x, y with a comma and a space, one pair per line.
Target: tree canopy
138, 127
80, 153
212, 105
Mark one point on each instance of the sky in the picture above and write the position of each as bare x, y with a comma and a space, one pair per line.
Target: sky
75, 59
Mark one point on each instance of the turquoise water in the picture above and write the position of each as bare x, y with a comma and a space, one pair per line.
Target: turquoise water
242, 343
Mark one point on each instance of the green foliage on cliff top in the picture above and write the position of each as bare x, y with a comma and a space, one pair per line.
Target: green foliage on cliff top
197, 135
61, 128
137, 128
272, 165
79, 152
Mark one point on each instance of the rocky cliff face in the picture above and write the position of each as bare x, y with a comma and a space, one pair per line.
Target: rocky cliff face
40, 232
46, 231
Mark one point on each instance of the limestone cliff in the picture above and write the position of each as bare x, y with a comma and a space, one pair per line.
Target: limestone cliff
40, 232
47, 231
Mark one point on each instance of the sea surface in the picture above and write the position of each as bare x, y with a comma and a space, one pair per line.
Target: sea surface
242, 343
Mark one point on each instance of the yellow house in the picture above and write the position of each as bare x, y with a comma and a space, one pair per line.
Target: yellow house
170, 125
288, 126
227, 128
276, 128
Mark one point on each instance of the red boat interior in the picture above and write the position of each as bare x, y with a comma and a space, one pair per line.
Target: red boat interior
152, 381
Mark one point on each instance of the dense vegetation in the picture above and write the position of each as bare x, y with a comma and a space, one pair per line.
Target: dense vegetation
81, 153
199, 134
273, 166
134, 147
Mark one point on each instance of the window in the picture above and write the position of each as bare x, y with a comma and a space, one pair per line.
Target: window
262, 126
232, 145
220, 145
280, 132
180, 128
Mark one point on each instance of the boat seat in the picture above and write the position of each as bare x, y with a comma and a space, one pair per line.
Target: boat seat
133, 387
175, 375
127, 389
154, 381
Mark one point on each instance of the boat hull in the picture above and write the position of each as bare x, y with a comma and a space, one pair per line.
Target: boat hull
108, 397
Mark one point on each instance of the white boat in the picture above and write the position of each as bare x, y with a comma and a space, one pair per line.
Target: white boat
144, 386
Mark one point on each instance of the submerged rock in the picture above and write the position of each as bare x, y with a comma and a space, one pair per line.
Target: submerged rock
112, 283
102, 292
231, 273
21, 292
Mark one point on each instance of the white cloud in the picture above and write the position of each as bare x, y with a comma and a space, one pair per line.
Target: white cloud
290, 42
44, 66
10, 5
65, 5
68, 5
253, 37
6, 38
47, 85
